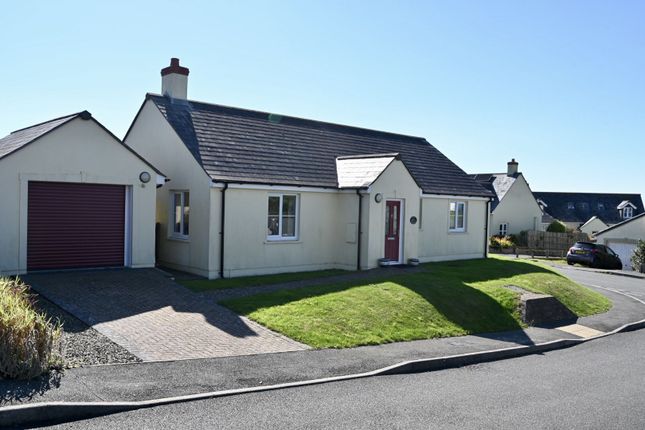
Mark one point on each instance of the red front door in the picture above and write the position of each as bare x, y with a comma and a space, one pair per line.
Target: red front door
392, 227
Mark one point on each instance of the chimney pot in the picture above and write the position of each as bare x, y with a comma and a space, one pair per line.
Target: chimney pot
512, 167
174, 80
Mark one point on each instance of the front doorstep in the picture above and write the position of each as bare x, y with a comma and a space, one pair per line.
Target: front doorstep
384, 262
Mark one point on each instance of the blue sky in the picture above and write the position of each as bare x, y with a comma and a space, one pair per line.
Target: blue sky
560, 86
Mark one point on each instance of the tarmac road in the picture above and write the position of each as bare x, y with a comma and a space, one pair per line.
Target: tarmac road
599, 384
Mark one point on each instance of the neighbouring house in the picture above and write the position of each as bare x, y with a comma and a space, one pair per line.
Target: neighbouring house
592, 226
257, 192
623, 238
73, 196
513, 208
577, 209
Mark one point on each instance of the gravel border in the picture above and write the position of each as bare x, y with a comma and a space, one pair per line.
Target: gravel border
81, 344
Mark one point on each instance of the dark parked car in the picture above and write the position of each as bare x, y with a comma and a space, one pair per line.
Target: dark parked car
593, 255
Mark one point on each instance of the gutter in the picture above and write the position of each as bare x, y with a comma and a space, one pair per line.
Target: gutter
221, 233
359, 229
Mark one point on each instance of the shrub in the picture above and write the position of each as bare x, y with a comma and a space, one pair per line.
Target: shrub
638, 259
515, 240
557, 227
499, 242
28, 340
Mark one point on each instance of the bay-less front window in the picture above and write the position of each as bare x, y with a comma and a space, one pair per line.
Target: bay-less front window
282, 223
457, 217
181, 214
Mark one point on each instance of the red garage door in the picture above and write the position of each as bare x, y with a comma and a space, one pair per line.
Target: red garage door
75, 225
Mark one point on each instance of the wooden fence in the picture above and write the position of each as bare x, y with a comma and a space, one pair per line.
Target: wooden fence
547, 240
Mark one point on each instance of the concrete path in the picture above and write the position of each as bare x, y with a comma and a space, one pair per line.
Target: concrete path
376, 274
154, 318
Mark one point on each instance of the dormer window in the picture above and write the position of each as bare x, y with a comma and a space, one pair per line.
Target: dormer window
628, 212
626, 209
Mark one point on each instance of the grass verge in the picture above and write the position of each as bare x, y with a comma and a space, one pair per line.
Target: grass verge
199, 285
448, 299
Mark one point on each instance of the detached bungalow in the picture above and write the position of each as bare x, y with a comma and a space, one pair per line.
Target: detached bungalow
514, 207
256, 192
73, 196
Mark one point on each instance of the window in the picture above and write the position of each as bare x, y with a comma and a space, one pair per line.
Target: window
457, 217
570, 206
627, 212
503, 229
601, 206
181, 214
282, 223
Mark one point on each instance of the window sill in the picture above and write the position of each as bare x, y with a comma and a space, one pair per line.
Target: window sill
184, 239
457, 231
281, 241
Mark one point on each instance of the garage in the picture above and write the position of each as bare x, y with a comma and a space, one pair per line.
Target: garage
624, 251
72, 225
74, 196
623, 237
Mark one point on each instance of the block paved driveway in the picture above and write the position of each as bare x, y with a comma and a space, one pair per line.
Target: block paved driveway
155, 318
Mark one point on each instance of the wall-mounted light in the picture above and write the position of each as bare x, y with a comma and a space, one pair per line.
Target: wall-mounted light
378, 197
413, 220
144, 177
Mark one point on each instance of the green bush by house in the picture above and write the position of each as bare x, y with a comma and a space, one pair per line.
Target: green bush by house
557, 227
28, 340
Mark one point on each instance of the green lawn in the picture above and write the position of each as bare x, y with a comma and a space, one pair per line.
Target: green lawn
448, 299
199, 285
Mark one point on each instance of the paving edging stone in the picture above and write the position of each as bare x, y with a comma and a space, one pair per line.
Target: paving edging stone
59, 412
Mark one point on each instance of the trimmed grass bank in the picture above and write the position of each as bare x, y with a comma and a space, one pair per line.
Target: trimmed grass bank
446, 299
199, 285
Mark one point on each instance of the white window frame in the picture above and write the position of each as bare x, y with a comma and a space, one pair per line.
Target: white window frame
279, 236
174, 234
457, 228
503, 226
628, 212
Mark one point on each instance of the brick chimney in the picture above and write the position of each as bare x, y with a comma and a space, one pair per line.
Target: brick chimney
511, 170
174, 80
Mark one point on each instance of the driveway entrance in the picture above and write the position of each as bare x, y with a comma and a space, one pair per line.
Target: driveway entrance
154, 318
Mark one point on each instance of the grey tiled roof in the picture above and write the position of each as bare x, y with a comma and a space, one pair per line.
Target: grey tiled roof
586, 205
22, 137
238, 145
498, 183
